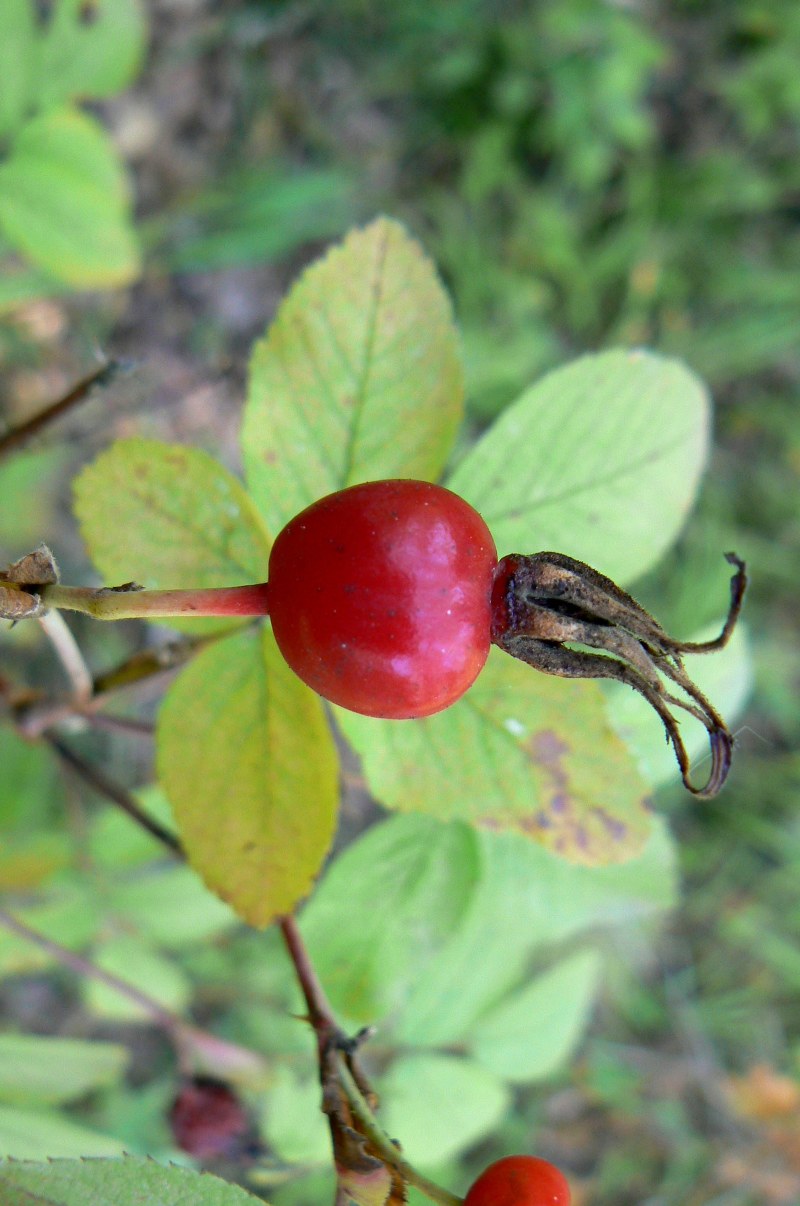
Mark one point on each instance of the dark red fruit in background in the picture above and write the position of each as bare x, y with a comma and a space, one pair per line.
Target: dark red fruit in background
208, 1120
379, 597
520, 1181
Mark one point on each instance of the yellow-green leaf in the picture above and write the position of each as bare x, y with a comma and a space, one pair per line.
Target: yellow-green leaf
248, 762
165, 516
64, 201
520, 752
358, 378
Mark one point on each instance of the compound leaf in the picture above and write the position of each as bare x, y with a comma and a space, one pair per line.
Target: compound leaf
33, 1134
536, 901
133, 959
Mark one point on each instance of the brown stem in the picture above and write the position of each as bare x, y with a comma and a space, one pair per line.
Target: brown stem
83, 967
118, 724
11, 440
195, 1046
101, 783
319, 1011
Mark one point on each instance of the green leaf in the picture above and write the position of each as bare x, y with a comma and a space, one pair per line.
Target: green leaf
535, 900
187, 521
67, 917
90, 51
171, 907
115, 844
28, 482
64, 201
28, 783
26, 861
293, 1124
520, 751
45, 1069
599, 460
358, 378
131, 1181
247, 760
531, 1033
386, 907
440, 1105
37, 1134
135, 961
19, 53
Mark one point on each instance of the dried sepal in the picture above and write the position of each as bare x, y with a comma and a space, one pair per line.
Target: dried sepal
21, 581
546, 603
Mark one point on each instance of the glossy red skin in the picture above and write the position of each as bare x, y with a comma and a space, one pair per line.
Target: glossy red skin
380, 597
520, 1181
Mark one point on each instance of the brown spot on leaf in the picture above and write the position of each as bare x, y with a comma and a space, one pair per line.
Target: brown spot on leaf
547, 749
617, 830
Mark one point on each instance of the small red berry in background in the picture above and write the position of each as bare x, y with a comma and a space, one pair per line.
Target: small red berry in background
209, 1121
380, 597
520, 1181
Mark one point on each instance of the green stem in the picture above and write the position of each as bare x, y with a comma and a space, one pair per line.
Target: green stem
383, 1144
130, 603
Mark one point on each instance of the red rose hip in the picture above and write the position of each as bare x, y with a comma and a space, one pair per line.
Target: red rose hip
380, 597
520, 1181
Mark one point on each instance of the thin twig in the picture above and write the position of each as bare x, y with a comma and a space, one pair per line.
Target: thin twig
84, 967
69, 654
101, 783
139, 671
330, 1041
118, 724
16, 437
194, 1045
319, 1011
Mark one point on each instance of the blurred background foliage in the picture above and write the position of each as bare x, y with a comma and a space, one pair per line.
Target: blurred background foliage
586, 174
